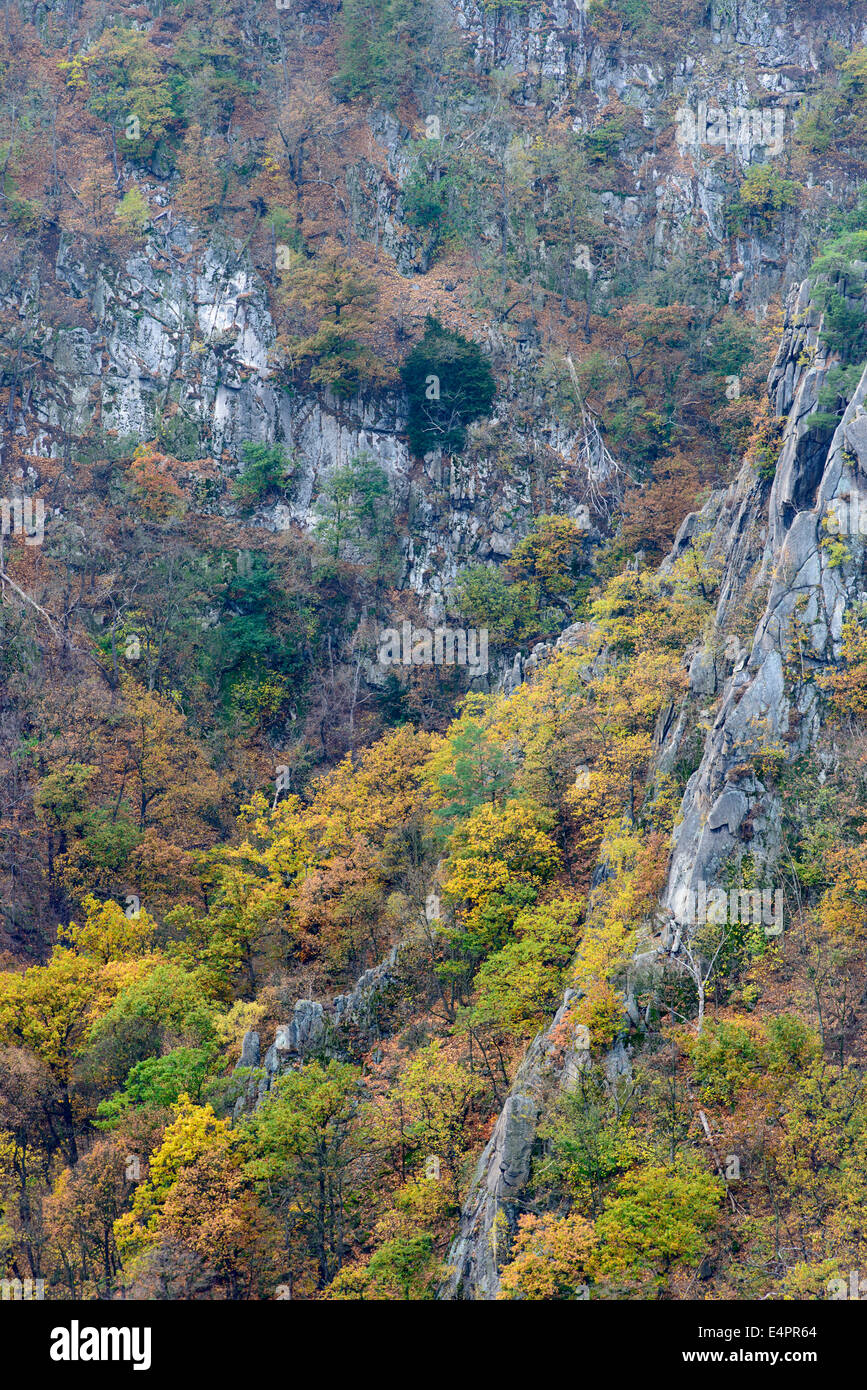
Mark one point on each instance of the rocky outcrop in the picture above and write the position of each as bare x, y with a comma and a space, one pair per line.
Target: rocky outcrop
781, 554
720, 112
522, 668
555, 41
335, 1029
490, 1212
177, 344
772, 557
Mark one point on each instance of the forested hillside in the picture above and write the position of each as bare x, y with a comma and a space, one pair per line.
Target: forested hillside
433, 649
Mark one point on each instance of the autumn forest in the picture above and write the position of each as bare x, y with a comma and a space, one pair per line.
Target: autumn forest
433, 651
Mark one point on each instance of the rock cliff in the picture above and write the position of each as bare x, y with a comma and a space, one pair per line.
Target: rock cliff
768, 542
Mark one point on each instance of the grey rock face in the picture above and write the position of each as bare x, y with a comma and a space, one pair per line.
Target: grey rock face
770, 553
250, 1051
737, 90
182, 333
728, 811
303, 1035
757, 709
703, 673
490, 1212
318, 1029
521, 668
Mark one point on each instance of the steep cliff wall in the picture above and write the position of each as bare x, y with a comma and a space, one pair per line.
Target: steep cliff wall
730, 96
612, 200
178, 343
769, 543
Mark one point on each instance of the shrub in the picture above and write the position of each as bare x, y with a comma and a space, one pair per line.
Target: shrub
603, 143
268, 469
839, 290
132, 213
449, 384
839, 388
384, 45
484, 596
354, 506
762, 196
